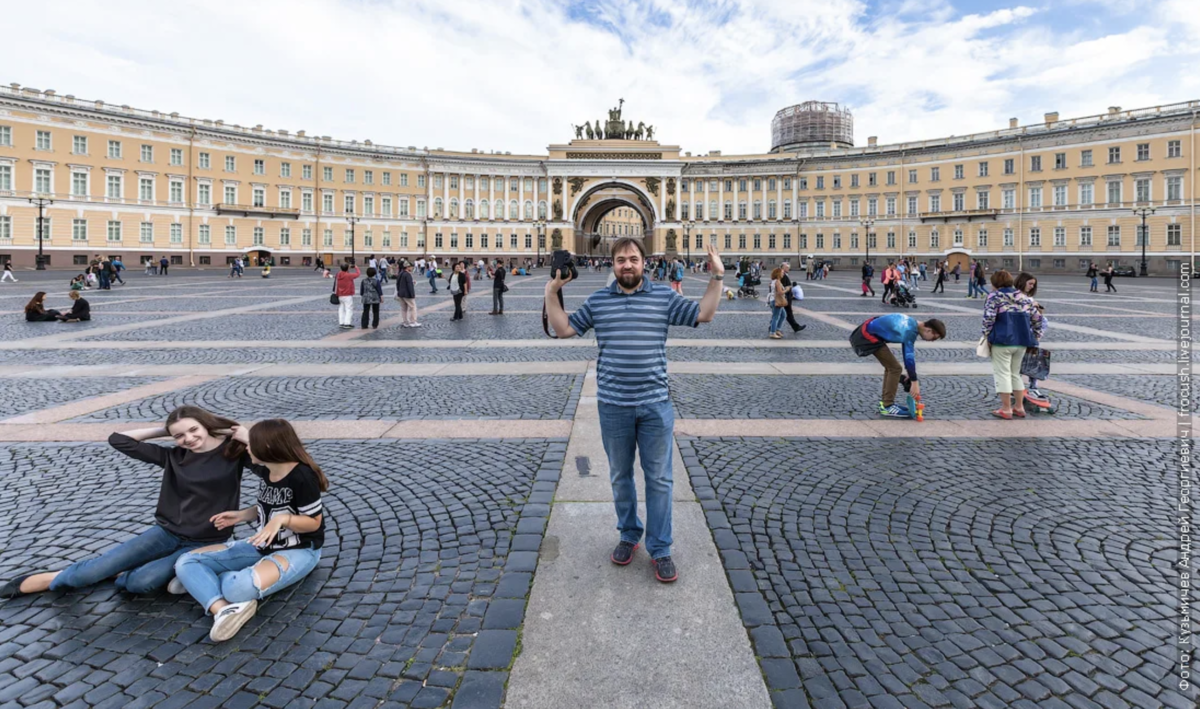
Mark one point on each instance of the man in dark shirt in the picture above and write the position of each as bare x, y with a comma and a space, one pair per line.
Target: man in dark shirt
498, 291
787, 291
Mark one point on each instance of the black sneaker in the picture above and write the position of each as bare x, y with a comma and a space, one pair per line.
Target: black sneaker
664, 569
623, 554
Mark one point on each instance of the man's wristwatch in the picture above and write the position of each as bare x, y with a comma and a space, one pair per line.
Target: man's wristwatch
718, 276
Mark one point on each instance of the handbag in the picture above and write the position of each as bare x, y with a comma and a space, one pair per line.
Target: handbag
503, 287
333, 297
1036, 363
984, 348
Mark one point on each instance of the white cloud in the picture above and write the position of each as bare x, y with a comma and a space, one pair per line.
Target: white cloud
515, 74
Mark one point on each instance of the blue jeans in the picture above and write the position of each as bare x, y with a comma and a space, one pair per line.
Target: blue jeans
778, 313
433, 280
649, 429
1095, 284
229, 573
971, 287
104, 282
143, 564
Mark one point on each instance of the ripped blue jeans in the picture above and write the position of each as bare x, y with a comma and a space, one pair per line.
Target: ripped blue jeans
229, 573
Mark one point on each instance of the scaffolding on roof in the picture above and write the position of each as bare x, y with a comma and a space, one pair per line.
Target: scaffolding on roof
812, 124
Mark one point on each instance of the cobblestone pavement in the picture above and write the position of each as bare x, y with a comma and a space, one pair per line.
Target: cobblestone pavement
14, 327
924, 354
25, 394
420, 592
944, 577
532, 396
475, 326
736, 396
300, 355
232, 327
1161, 328
1153, 389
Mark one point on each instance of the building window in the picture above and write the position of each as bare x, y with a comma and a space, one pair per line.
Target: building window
981, 238
1114, 155
1035, 263
1087, 193
1114, 193
327, 238
78, 230
1035, 163
147, 153
368, 177
983, 169
870, 179
348, 204
230, 163
306, 237
912, 239
79, 184
176, 191
306, 172
757, 242
1141, 235
935, 203
982, 200
230, 194
1035, 197
1060, 161
1035, 236
114, 149
890, 206
1143, 151
853, 181
205, 236
1085, 236
6, 136
349, 175
1174, 234
79, 145
1060, 236
958, 237
1174, 148
1060, 263
1174, 188
934, 240
1085, 158
1008, 237
1060, 195
327, 203
43, 140
231, 235
113, 189
205, 161
387, 179
176, 233
285, 199
327, 175
959, 202
204, 193
176, 156
1114, 235
1141, 189
1009, 166
891, 240
146, 189
42, 181
114, 231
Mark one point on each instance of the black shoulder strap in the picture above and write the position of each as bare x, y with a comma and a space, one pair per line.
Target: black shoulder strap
546, 316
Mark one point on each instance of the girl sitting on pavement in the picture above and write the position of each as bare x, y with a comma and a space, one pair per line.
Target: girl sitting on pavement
81, 310
229, 579
35, 309
201, 476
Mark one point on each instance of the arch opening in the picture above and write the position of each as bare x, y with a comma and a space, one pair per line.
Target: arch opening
609, 211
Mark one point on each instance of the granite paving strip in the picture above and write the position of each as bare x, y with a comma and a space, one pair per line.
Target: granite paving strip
585, 613
1106, 398
1150, 388
324, 429
83, 407
384, 323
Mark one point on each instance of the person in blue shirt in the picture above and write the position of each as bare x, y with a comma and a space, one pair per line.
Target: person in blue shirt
872, 338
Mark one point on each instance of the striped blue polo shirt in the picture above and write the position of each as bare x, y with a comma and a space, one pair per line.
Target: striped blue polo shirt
631, 331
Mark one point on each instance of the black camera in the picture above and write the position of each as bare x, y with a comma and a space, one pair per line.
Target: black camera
562, 265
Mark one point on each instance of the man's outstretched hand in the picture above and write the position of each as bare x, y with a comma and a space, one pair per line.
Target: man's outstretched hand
715, 265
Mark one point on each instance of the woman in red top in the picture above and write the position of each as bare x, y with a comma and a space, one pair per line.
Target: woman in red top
343, 286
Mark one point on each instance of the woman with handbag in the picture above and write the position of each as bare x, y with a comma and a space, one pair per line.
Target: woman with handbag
778, 305
343, 295
1011, 323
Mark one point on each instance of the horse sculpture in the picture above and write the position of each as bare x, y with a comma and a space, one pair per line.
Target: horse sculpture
590, 133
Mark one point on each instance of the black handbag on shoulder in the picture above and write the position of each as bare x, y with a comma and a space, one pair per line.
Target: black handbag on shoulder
333, 297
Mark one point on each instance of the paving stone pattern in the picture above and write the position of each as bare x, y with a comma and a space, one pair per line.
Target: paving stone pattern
738, 396
525, 396
419, 595
232, 327
14, 327
301, 355
1151, 388
1160, 328
970, 327
943, 577
25, 394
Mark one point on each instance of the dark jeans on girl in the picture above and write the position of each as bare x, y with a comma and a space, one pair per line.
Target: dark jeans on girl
143, 564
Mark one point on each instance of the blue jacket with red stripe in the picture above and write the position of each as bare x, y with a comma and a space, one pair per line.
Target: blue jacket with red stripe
902, 330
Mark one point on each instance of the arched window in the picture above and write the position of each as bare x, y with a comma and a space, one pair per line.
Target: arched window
468, 209
454, 208
542, 209
483, 209
499, 209
529, 209
514, 211
437, 207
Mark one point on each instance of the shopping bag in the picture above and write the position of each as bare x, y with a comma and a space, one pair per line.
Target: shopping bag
984, 348
1036, 363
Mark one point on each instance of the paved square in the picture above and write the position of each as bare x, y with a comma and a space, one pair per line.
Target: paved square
827, 558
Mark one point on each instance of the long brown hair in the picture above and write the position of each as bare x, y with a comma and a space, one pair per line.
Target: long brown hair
211, 423
37, 303
275, 441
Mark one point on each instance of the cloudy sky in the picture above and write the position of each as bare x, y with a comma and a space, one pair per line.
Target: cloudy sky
516, 74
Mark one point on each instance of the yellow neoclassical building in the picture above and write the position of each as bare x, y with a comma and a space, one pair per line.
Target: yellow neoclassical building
1048, 197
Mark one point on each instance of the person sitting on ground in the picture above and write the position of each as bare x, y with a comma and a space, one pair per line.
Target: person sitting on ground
1011, 323
228, 580
872, 338
81, 310
201, 477
35, 309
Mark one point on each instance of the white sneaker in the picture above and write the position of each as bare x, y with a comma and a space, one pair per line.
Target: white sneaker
230, 619
416, 324
176, 587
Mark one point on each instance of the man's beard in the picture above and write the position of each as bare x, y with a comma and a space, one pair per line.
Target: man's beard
629, 280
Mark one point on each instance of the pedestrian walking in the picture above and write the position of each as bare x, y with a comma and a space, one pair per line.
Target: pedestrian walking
406, 293
105, 274
433, 274
1108, 276
790, 296
867, 272
889, 281
1092, 273
343, 287
957, 266
371, 292
636, 414
778, 303
458, 289
940, 277
320, 264
1011, 323
151, 267
8, 272
498, 290
922, 269
117, 267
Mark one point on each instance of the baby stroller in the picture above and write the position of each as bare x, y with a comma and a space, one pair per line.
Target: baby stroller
901, 296
746, 283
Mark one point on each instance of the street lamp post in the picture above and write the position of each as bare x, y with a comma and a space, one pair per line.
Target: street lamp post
867, 225
350, 217
540, 225
41, 203
796, 229
687, 239
1143, 212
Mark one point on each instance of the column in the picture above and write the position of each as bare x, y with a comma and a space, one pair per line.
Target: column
735, 199
521, 198
445, 195
779, 198
720, 198
535, 202
707, 216
662, 200
476, 197
492, 197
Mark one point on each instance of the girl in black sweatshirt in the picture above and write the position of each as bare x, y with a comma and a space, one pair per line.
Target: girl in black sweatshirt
201, 477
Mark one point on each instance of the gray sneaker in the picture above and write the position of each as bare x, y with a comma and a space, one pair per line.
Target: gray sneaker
230, 619
176, 587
